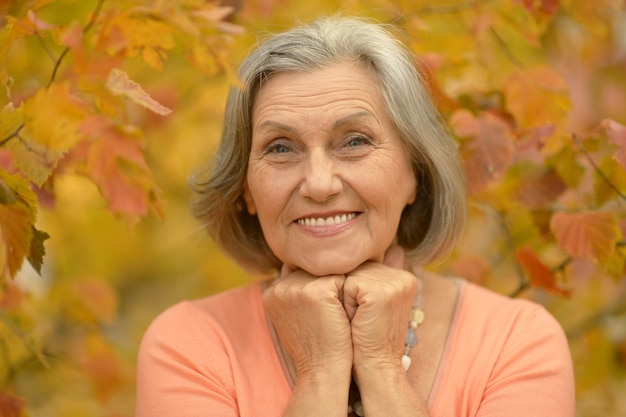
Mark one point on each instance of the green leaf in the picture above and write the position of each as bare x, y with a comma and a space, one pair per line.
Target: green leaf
37, 249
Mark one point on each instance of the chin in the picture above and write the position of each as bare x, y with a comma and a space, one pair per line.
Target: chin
321, 269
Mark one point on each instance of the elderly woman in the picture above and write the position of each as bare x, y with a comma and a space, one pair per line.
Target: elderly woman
335, 173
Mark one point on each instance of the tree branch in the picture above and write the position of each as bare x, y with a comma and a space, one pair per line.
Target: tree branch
92, 21
524, 283
15, 134
452, 8
592, 321
505, 48
596, 167
57, 64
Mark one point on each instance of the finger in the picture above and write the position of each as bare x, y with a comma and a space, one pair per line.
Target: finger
350, 304
394, 257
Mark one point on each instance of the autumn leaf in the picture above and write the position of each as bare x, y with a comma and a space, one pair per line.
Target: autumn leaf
11, 298
74, 38
12, 406
97, 299
617, 135
103, 370
37, 251
545, 7
487, 150
10, 123
22, 190
18, 210
6, 161
537, 96
53, 117
116, 164
588, 234
15, 236
142, 32
540, 188
120, 85
540, 275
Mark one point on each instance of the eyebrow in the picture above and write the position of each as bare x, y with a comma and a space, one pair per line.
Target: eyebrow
336, 125
277, 125
347, 119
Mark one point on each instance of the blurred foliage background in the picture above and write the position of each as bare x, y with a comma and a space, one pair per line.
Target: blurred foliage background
534, 91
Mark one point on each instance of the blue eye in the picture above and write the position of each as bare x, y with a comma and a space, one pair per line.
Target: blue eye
278, 148
357, 141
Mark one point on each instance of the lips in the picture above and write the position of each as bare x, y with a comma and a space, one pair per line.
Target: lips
326, 221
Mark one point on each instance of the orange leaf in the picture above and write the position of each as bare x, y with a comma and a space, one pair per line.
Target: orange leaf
548, 7
488, 152
98, 298
12, 406
74, 38
104, 371
116, 164
11, 297
137, 31
537, 96
540, 275
120, 85
591, 234
6, 160
15, 236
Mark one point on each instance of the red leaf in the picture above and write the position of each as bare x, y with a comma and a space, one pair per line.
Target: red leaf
548, 7
488, 150
540, 275
12, 406
617, 135
117, 166
539, 190
591, 234
120, 85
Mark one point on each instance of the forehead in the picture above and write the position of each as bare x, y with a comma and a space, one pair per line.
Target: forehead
341, 85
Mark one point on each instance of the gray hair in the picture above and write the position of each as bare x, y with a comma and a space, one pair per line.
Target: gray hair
428, 228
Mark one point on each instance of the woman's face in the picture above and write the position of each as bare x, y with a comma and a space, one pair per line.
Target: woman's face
328, 174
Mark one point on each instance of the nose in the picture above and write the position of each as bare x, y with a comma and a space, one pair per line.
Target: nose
320, 182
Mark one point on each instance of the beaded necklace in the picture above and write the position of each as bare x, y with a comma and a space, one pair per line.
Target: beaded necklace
416, 317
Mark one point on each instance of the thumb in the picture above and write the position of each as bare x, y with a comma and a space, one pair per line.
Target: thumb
394, 257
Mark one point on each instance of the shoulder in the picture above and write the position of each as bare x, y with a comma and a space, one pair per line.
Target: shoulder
479, 304
505, 353
193, 325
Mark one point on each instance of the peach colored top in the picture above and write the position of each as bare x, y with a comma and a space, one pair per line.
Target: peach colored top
216, 357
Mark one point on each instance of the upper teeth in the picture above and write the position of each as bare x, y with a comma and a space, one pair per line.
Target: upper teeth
328, 221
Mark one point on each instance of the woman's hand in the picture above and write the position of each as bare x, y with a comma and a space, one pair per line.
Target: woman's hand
377, 298
309, 317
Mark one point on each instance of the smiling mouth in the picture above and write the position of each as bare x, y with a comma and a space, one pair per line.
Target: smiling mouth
328, 221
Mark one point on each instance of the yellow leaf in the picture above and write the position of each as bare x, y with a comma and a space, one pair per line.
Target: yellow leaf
119, 84
590, 234
21, 188
31, 158
53, 117
537, 96
146, 33
10, 121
